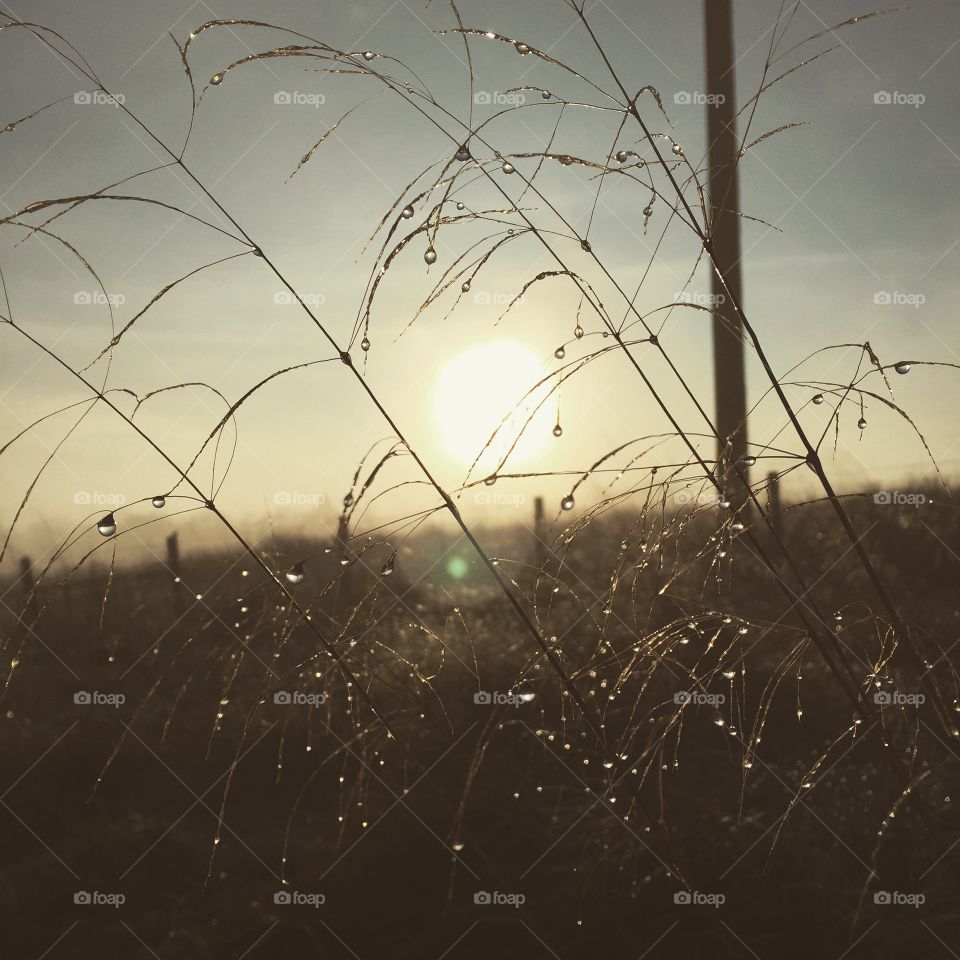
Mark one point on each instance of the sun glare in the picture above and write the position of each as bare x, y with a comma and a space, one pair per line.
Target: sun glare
480, 387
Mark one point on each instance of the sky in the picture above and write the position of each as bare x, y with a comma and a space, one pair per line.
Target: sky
856, 238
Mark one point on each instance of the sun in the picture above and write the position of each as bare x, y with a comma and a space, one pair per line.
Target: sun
481, 386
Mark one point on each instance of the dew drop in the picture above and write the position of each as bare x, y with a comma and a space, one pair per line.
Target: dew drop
457, 847
159, 502
508, 167
406, 212
522, 48
546, 94
862, 423
560, 352
585, 246
647, 213
491, 480
678, 150
369, 55
430, 256
748, 461
818, 399
463, 154
348, 501
388, 567
567, 502
558, 430
578, 332
902, 367
729, 674
365, 344
295, 574
216, 79
107, 526
461, 206
622, 156
465, 286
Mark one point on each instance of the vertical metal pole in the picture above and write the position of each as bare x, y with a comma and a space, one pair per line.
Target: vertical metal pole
724, 230
539, 533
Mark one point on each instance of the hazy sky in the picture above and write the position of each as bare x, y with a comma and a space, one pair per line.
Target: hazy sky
863, 200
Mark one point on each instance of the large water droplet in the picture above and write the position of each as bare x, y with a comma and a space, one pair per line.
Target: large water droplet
558, 430
585, 246
491, 480
406, 212
365, 344
348, 501
508, 167
388, 567
567, 503
463, 154
159, 502
748, 461
295, 574
216, 79
818, 399
522, 48
622, 156
107, 526
578, 332
902, 367
560, 352
862, 423
546, 94
678, 150
430, 256
465, 286
369, 55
